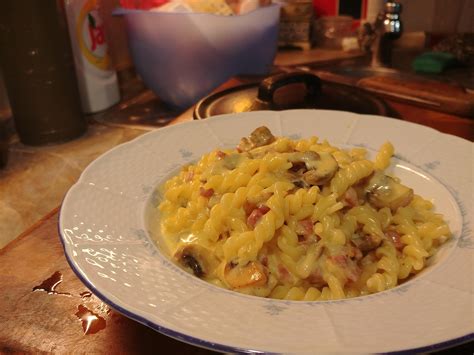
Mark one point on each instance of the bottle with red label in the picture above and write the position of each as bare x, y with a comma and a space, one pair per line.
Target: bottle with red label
97, 80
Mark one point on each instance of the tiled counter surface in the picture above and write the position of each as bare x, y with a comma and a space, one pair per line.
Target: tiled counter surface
36, 178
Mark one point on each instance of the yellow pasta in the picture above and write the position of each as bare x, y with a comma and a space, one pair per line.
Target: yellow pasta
382, 160
351, 174
297, 220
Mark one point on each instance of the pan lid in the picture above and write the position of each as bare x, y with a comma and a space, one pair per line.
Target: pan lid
289, 91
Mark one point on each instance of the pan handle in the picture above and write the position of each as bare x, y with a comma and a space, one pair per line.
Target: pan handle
270, 85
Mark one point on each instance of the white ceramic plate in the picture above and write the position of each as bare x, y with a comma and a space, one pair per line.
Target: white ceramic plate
105, 229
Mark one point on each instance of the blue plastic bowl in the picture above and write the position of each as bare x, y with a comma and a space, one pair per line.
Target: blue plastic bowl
183, 57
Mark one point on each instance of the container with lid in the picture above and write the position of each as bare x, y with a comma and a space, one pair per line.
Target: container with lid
293, 90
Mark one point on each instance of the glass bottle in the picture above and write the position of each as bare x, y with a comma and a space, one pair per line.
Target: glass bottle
39, 74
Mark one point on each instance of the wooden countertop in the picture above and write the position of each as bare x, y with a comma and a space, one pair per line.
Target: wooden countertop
46, 308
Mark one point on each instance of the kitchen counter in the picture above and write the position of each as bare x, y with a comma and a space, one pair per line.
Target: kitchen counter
45, 308
36, 178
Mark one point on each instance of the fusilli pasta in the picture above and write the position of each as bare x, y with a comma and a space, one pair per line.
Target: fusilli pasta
297, 220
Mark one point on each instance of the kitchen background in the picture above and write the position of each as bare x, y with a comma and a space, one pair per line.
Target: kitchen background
25, 197
434, 16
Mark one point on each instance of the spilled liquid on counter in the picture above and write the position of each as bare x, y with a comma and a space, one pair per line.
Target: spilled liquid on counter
92, 322
49, 285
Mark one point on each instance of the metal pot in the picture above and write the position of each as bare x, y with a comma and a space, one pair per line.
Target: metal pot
290, 91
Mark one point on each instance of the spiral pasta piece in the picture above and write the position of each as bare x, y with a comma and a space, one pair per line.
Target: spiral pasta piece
382, 159
349, 175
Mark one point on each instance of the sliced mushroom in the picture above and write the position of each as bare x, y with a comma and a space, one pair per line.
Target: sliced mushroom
231, 161
189, 261
196, 259
350, 197
366, 242
252, 274
261, 136
385, 191
308, 158
320, 167
395, 238
299, 184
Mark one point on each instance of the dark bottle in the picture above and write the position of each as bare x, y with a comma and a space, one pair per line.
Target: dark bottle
4, 123
38, 69
3, 142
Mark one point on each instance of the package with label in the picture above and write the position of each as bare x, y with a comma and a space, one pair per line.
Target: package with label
295, 23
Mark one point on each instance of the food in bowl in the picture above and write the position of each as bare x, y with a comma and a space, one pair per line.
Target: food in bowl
297, 220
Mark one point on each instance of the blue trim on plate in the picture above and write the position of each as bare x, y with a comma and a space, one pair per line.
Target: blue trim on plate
225, 348
439, 346
166, 331
220, 347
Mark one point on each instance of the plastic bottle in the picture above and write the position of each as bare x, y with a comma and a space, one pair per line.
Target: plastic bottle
97, 81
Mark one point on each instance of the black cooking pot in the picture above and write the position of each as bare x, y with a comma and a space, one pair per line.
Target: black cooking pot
290, 91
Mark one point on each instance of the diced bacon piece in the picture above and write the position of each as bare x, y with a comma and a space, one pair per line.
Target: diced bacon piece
350, 197
366, 242
353, 273
350, 268
339, 259
305, 227
316, 279
395, 237
206, 192
256, 214
283, 272
220, 154
249, 207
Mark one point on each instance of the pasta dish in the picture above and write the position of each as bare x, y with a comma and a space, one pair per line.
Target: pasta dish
297, 219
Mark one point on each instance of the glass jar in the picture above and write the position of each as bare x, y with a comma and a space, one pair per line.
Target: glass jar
329, 31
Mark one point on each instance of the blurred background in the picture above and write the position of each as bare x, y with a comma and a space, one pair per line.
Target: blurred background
431, 16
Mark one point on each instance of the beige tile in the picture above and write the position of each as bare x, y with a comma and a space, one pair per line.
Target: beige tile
37, 178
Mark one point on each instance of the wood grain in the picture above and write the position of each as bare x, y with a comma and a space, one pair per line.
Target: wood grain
314, 56
443, 122
430, 94
35, 321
